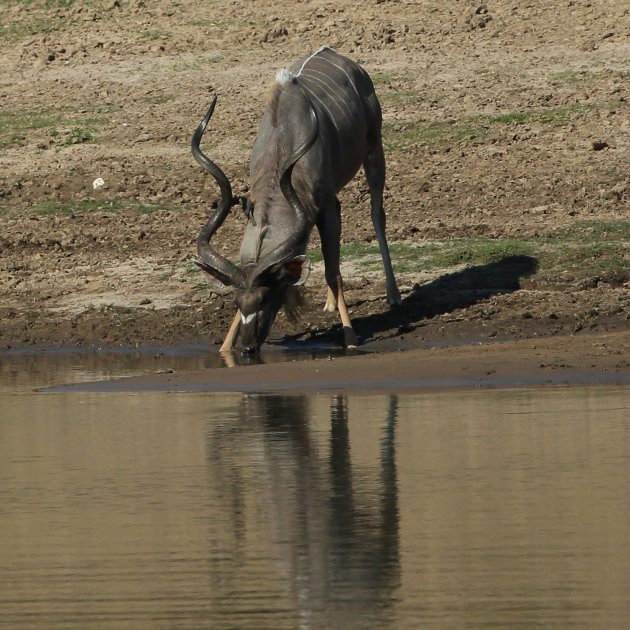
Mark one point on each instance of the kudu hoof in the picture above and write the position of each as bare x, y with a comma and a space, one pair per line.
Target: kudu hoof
350, 339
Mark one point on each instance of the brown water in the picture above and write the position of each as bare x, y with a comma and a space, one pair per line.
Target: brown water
462, 509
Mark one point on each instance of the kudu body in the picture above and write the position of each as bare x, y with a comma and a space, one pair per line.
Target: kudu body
322, 123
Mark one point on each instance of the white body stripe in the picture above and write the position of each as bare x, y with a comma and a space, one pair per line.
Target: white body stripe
248, 319
323, 80
354, 87
324, 106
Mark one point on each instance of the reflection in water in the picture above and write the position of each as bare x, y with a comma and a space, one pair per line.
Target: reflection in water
25, 369
334, 537
460, 509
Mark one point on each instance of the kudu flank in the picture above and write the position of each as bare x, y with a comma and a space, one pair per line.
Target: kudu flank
322, 123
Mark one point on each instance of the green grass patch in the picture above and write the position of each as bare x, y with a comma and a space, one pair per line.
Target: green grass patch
591, 260
595, 231
156, 34
73, 123
13, 123
16, 31
35, 19
221, 23
517, 118
479, 251
589, 248
585, 249
574, 76
400, 136
546, 116
150, 207
39, 17
74, 207
70, 207
389, 78
121, 320
81, 135
186, 65
159, 99
433, 255
395, 88
401, 96
94, 108
39, 4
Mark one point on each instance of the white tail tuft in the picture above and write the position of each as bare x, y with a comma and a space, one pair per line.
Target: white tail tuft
283, 76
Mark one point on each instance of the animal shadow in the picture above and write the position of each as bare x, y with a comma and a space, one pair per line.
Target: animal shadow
445, 294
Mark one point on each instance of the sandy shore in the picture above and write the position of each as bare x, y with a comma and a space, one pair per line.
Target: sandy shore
555, 360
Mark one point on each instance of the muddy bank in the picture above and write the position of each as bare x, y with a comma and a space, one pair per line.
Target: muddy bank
601, 359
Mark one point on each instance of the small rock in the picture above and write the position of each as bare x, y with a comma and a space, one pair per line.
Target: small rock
274, 33
588, 283
598, 145
477, 18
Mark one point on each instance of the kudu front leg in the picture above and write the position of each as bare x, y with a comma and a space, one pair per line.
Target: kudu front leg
331, 301
228, 344
329, 228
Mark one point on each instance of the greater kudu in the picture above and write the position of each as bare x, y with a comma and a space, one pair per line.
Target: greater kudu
322, 123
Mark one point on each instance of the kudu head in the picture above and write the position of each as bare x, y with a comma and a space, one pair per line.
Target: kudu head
261, 287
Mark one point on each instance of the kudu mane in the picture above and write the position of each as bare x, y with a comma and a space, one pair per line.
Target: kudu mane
265, 179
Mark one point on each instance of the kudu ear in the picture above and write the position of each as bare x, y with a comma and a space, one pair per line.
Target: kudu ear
213, 276
297, 269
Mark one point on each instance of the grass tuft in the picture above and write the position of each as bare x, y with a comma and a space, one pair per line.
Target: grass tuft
583, 250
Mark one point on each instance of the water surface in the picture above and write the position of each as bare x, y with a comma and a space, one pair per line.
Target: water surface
461, 509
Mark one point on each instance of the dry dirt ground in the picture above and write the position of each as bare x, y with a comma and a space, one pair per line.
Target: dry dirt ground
507, 134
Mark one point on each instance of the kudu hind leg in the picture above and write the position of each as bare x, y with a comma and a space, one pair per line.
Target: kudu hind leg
349, 336
331, 298
374, 166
